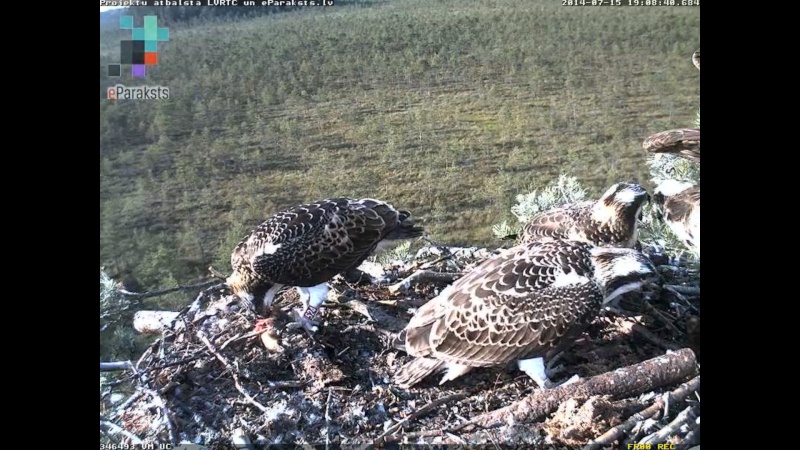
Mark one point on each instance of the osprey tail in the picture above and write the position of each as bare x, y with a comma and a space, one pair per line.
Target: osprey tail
406, 228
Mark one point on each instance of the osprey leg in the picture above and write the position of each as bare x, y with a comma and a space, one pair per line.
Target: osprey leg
312, 298
535, 369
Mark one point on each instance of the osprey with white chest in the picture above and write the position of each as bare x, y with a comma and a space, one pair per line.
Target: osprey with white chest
611, 221
678, 205
307, 245
525, 305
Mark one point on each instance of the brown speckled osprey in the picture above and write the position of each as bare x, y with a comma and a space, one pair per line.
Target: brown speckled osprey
683, 142
678, 205
611, 221
307, 245
523, 305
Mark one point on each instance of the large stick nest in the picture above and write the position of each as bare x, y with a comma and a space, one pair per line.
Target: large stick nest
335, 387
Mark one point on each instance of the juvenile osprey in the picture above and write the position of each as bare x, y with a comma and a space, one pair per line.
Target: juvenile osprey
611, 221
678, 205
525, 305
683, 142
307, 245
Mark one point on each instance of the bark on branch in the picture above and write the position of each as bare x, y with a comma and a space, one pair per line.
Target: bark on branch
618, 432
661, 436
646, 376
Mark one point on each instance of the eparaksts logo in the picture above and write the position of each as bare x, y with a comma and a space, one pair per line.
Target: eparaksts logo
120, 92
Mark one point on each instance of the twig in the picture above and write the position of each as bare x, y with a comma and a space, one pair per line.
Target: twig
418, 413
216, 273
428, 265
652, 310
149, 294
199, 355
239, 337
647, 334
328, 419
162, 405
135, 396
680, 297
423, 276
692, 436
685, 290
617, 432
285, 384
234, 372
636, 379
115, 366
413, 435
661, 436
110, 428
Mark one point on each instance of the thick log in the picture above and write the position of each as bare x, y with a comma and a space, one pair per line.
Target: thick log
665, 370
619, 431
153, 322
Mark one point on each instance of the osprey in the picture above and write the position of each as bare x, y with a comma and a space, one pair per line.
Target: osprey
696, 59
307, 245
524, 305
683, 142
611, 221
678, 205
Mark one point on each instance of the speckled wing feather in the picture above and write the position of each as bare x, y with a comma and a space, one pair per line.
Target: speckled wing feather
556, 223
678, 207
683, 142
681, 212
309, 244
508, 308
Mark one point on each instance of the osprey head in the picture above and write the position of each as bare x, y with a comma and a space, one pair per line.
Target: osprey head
621, 270
625, 195
247, 287
664, 190
621, 200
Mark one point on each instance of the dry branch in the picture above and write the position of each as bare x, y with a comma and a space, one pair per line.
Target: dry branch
616, 433
632, 380
162, 405
424, 410
153, 322
149, 294
110, 429
423, 276
115, 366
685, 290
234, 372
660, 437
647, 334
660, 316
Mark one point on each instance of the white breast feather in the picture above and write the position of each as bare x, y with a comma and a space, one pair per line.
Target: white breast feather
267, 249
569, 279
668, 188
626, 196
